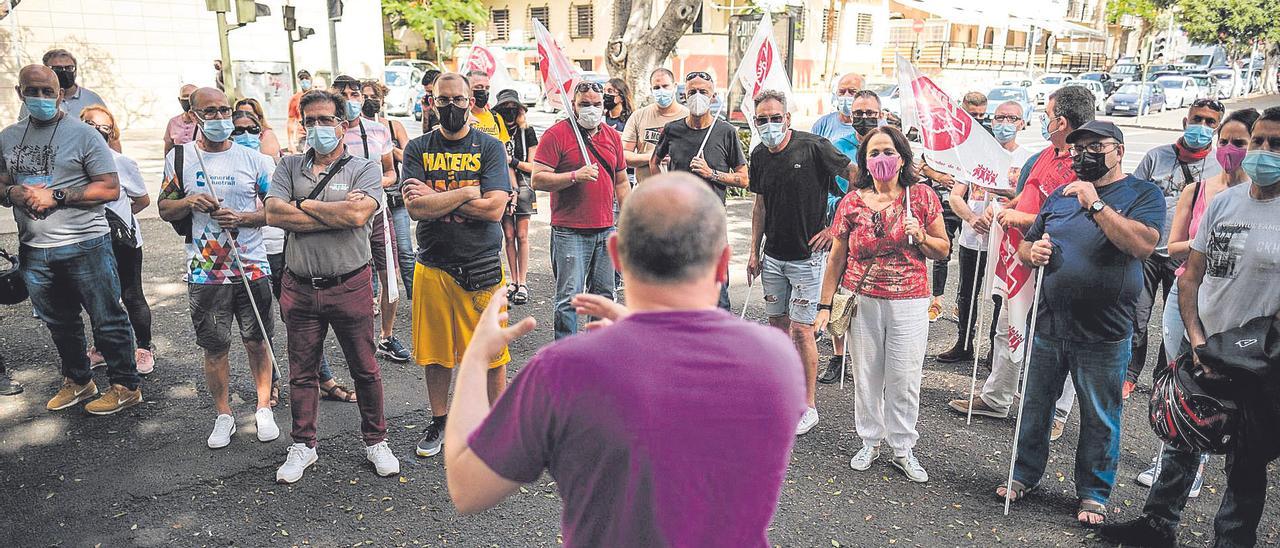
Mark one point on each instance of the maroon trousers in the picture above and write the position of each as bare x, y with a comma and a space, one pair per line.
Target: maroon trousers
308, 315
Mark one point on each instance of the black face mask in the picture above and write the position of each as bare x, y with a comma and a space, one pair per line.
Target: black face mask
610, 101
106, 134
452, 117
66, 78
1090, 166
863, 125
185, 104
986, 124
370, 108
508, 114
481, 96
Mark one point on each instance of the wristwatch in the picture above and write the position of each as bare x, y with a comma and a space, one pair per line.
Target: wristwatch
824, 306
1096, 207
60, 197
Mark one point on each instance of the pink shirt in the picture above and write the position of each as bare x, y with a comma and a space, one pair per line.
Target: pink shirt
1194, 228
180, 131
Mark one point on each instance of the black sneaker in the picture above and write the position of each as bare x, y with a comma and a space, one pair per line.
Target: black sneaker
431, 443
1144, 531
832, 374
391, 349
956, 354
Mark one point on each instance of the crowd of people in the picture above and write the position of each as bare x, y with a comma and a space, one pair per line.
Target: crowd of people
845, 222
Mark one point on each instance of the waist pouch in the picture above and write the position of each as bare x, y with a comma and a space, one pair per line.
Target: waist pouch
395, 200
122, 231
476, 274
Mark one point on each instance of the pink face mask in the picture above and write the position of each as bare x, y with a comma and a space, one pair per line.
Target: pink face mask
883, 167
1230, 156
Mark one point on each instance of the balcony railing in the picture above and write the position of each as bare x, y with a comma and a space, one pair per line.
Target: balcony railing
953, 55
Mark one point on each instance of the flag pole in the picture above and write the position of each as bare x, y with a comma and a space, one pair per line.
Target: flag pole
558, 80
974, 310
1026, 372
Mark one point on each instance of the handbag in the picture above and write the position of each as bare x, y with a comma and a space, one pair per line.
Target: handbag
13, 289
844, 307
122, 232
477, 274
181, 226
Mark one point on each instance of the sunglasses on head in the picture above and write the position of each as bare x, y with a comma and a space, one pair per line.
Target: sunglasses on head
589, 86
698, 74
1212, 104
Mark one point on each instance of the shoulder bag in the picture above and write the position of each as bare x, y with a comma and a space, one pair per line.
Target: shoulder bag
845, 307
181, 226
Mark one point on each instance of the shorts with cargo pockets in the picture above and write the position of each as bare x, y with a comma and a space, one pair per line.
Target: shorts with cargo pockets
214, 306
793, 288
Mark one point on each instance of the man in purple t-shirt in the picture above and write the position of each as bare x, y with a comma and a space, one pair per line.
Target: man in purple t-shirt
608, 412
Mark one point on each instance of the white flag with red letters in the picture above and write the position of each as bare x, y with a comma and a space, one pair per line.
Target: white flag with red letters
762, 69
1013, 281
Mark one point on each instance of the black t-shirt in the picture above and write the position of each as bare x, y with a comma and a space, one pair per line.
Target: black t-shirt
518, 148
474, 160
794, 184
723, 151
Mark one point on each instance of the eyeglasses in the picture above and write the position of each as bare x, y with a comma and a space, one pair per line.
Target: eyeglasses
312, 121
698, 74
762, 120
1006, 118
215, 112
1213, 104
63, 68
865, 113
1094, 148
243, 130
589, 86
460, 101
100, 128
847, 92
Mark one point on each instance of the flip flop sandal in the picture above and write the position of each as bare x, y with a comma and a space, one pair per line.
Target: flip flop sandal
1091, 507
1018, 491
511, 290
350, 396
521, 295
275, 395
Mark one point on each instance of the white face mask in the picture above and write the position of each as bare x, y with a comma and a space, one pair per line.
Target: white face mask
590, 117
699, 104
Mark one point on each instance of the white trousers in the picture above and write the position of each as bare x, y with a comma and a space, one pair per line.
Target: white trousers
887, 343
1002, 383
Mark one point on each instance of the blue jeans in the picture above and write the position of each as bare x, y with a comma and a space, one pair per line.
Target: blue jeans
1098, 370
61, 280
579, 262
404, 252
1173, 330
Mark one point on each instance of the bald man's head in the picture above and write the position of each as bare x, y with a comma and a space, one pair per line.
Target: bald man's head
851, 80
204, 98
186, 90
38, 81
672, 230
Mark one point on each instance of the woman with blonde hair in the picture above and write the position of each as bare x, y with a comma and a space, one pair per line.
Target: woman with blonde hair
269, 144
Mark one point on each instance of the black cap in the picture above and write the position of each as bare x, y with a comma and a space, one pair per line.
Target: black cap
507, 95
1096, 127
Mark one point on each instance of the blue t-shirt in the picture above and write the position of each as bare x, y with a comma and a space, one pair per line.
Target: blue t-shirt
845, 139
1090, 286
830, 126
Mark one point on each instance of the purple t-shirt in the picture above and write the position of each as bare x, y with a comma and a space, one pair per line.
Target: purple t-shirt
665, 429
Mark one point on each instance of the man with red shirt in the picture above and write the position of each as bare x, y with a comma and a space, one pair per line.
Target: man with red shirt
582, 193
1050, 170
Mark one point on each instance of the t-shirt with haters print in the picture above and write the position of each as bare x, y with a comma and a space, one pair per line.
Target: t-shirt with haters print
239, 177
475, 160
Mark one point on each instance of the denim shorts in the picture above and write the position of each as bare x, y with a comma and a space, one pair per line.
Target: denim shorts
793, 288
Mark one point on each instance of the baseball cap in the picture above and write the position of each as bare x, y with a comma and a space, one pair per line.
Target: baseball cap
1099, 128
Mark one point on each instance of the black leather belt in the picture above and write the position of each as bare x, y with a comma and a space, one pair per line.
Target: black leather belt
326, 283
395, 200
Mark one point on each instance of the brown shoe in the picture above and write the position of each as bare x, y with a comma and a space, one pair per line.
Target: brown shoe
114, 400
1058, 427
980, 407
71, 394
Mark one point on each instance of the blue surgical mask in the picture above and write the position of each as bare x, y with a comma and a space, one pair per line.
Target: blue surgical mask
217, 130
1197, 136
305, 85
323, 139
41, 108
1004, 132
249, 140
845, 105
772, 133
664, 97
353, 109
1044, 128
1262, 166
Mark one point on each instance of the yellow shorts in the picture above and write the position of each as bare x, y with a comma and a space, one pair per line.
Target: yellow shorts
445, 316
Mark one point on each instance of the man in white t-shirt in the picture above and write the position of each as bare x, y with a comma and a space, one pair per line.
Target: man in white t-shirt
217, 186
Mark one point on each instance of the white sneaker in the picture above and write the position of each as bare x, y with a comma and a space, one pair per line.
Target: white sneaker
384, 461
267, 429
911, 468
1198, 484
300, 457
1147, 477
807, 421
867, 455
223, 427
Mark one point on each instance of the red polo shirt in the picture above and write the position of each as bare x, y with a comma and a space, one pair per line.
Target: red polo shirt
583, 205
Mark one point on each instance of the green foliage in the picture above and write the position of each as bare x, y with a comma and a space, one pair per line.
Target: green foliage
421, 15
1233, 23
1147, 10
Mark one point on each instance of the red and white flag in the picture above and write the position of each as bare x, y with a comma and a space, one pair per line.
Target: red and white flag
488, 60
558, 74
1013, 281
762, 69
954, 142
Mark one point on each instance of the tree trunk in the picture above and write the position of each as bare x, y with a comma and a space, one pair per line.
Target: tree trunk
1269, 68
636, 48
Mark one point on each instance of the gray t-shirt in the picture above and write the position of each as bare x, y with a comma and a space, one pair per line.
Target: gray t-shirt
1161, 166
64, 154
1240, 238
331, 252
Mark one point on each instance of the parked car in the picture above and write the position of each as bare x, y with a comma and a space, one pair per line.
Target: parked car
1136, 99
1109, 84
417, 103
1207, 85
1023, 83
1125, 71
419, 64
1226, 79
528, 90
403, 83
1156, 75
1099, 93
1009, 93
1179, 91
888, 94
1047, 84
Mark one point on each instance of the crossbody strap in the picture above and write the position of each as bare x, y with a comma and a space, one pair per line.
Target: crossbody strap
324, 182
591, 147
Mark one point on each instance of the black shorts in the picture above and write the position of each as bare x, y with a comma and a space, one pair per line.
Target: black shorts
526, 200
214, 306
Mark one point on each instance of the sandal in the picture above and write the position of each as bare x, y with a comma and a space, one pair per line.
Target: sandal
1091, 507
343, 394
275, 394
521, 296
1018, 491
511, 290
